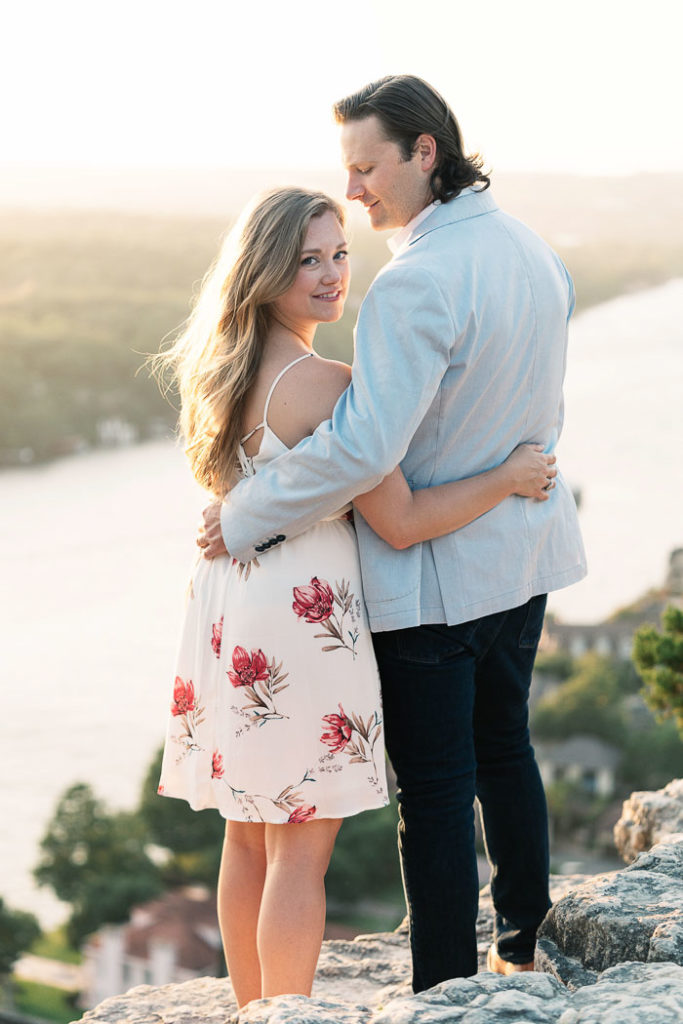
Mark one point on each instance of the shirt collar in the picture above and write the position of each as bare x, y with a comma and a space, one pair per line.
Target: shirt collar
399, 241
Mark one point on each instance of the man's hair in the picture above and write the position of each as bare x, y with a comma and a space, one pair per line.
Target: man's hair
406, 107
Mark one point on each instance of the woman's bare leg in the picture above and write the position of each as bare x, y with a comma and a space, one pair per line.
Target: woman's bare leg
292, 916
240, 889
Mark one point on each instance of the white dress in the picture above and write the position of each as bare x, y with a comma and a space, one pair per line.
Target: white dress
276, 713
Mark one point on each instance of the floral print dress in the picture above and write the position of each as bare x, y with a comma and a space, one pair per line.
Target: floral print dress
276, 713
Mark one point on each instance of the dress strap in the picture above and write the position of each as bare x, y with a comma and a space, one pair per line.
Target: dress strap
252, 432
277, 381
281, 374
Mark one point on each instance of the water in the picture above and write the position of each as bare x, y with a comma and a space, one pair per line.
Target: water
622, 446
95, 550
94, 553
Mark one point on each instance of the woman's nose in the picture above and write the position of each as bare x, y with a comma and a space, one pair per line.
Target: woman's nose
331, 271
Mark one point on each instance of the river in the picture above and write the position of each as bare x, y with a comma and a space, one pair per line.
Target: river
95, 550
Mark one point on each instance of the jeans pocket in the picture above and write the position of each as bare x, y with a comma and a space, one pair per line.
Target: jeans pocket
533, 624
433, 645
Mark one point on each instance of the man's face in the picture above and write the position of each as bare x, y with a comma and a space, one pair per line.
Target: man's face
392, 190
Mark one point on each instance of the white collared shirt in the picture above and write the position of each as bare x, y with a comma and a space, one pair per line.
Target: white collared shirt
398, 241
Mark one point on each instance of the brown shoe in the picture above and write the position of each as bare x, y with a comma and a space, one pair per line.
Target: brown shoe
496, 964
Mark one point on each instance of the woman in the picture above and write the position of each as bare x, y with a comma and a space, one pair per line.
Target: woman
276, 715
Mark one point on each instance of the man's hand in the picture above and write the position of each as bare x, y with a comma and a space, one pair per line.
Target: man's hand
209, 537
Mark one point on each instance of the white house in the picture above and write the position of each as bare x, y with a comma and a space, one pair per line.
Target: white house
171, 939
584, 761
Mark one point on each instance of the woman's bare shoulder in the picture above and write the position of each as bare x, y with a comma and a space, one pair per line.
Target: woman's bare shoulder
307, 395
331, 372
328, 379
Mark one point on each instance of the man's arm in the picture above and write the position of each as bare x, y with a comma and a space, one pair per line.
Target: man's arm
403, 344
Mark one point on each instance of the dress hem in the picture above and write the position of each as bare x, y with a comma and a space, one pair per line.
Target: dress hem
198, 806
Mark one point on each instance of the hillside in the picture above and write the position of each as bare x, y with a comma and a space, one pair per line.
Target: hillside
86, 294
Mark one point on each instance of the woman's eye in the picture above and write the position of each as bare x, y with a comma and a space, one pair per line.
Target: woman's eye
342, 254
308, 261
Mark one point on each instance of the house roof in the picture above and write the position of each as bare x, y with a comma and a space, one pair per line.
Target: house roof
588, 751
183, 918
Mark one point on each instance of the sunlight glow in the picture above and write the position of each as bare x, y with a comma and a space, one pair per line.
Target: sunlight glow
175, 83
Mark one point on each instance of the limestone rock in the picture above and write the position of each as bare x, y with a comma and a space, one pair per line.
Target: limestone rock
611, 948
646, 818
484, 999
630, 915
371, 972
300, 1010
627, 994
372, 969
631, 994
205, 1000
666, 858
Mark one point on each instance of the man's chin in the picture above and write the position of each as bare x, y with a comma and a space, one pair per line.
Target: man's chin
378, 219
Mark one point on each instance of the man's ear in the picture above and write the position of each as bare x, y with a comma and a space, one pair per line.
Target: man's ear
425, 147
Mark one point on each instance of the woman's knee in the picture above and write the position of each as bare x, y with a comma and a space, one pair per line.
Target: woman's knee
248, 835
308, 844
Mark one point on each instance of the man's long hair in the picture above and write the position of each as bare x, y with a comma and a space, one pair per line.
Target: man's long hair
408, 107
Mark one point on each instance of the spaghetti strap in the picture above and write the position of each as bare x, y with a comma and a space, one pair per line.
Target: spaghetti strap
264, 421
277, 381
252, 432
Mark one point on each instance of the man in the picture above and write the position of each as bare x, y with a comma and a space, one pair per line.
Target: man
460, 354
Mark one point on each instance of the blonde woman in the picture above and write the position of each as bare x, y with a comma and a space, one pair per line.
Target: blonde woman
276, 717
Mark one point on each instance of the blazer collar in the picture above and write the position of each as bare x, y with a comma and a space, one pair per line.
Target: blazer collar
469, 203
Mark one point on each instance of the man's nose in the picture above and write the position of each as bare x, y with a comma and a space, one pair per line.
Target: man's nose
354, 187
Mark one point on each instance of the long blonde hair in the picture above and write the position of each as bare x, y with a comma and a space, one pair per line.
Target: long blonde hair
216, 357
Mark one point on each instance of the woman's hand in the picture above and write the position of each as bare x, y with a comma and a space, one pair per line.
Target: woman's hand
209, 536
531, 471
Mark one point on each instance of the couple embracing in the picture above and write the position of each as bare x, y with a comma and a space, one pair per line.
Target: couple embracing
442, 439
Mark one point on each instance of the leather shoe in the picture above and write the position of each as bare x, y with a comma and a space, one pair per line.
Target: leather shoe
496, 964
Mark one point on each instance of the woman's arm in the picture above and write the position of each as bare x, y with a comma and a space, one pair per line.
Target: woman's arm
403, 517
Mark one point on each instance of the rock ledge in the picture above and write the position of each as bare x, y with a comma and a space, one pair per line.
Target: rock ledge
610, 950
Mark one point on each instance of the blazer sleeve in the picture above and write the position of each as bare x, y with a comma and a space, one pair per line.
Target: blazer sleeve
403, 341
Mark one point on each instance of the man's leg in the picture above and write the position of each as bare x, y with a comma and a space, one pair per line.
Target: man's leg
509, 785
427, 678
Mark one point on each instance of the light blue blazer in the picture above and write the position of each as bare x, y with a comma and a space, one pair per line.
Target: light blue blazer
460, 351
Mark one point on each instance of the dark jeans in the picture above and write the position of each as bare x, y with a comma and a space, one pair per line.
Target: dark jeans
456, 721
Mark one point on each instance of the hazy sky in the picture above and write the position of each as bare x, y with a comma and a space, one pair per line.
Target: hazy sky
581, 86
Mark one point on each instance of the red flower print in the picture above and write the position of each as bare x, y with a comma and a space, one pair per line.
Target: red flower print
217, 765
301, 814
183, 697
339, 731
248, 670
217, 636
314, 602
160, 790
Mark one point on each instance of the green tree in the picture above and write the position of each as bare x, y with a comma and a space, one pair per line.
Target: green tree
557, 664
588, 703
194, 838
96, 861
18, 931
653, 755
365, 864
659, 660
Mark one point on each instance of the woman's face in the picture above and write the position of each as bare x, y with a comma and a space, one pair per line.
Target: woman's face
322, 281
